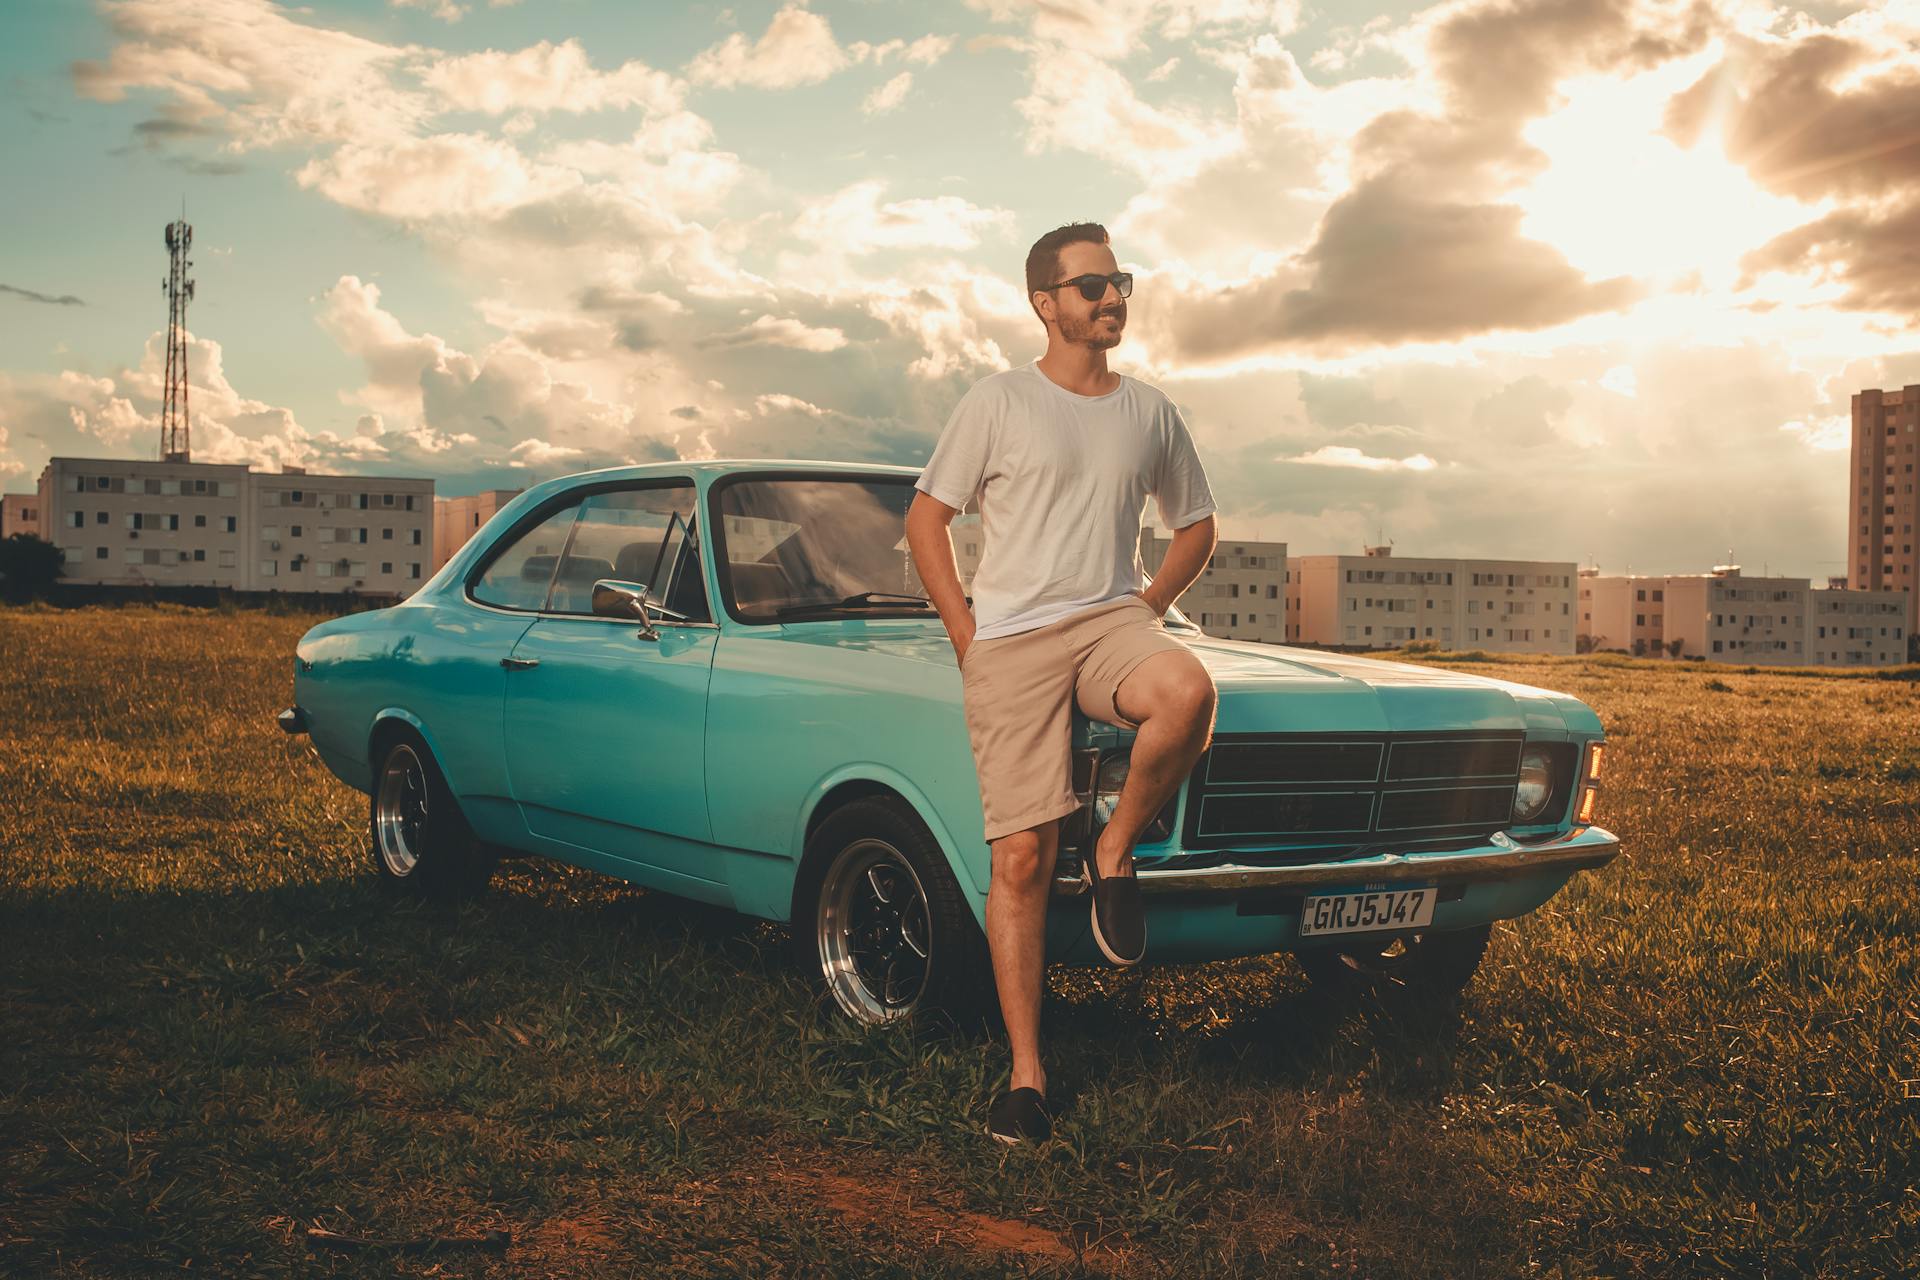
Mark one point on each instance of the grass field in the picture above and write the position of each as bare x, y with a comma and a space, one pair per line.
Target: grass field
215, 1032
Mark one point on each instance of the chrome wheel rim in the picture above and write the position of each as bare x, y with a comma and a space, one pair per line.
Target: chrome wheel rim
400, 811
874, 931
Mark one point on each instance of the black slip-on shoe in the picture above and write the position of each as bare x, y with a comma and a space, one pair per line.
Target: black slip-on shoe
1119, 920
1019, 1115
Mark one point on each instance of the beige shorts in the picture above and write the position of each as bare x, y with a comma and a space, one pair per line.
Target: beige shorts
1019, 692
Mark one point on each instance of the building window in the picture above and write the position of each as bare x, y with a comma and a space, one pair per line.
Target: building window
296, 531
80, 519
232, 523
99, 553
386, 566
363, 535
416, 537
415, 570
269, 568
199, 522
199, 555
386, 535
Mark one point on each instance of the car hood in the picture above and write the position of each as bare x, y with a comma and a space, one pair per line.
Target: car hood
1267, 688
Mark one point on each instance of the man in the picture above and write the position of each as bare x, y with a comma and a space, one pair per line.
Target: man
1062, 454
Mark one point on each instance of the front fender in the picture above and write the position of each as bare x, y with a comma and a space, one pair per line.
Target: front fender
972, 874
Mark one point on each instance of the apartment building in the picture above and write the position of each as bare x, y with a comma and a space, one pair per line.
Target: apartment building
457, 519
1377, 600
1623, 611
128, 522
19, 513
1241, 594
1848, 627
1881, 500
1724, 616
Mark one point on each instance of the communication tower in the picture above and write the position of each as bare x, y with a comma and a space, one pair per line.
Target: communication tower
174, 418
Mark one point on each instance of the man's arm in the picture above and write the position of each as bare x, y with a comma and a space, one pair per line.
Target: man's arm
1185, 558
931, 544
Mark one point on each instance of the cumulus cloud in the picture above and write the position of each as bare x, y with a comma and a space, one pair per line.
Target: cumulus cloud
445, 10
796, 49
1424, 244
1111, 29
855, 220
548, 77
784, 331
1811, 116
454, 174
888, 96
1340, 455
257, 75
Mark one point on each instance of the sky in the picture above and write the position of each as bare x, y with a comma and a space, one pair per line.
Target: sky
1575, 280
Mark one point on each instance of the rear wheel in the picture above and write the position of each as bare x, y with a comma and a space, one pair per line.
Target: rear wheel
881, 926
421, 842
1432, 964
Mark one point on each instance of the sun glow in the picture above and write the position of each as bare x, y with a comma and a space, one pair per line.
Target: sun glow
1618, 198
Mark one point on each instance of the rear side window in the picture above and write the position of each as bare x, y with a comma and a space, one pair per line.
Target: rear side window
629, 535
518, 576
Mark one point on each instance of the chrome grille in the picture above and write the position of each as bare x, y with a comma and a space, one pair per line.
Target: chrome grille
1354, 789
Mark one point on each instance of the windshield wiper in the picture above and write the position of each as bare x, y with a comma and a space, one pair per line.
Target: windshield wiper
866, 599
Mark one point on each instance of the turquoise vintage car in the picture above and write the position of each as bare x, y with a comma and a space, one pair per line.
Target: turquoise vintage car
718, 680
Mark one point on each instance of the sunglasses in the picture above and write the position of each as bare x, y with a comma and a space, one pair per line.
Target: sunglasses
1093, 287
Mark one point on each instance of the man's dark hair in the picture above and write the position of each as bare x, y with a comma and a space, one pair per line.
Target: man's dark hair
1043, 260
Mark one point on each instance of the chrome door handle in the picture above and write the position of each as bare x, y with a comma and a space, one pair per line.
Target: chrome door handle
519, 664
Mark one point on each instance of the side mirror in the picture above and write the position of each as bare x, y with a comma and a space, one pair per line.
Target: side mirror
615, 599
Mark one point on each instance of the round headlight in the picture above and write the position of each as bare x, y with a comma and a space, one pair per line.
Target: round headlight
1536, 786
1111, 776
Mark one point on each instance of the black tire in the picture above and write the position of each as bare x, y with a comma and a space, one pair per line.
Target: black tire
860, 951
1430, 965
418, 839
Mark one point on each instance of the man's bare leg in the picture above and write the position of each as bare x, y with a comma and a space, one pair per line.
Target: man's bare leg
1016, 934
1172, 699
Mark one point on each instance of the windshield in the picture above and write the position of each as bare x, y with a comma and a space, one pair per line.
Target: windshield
797, 549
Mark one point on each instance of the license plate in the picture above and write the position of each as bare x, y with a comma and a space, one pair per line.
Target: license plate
1367, 910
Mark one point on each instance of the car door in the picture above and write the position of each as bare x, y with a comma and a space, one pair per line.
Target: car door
605, 729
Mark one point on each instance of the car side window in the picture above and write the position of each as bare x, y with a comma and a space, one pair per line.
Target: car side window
518, 576
630, 535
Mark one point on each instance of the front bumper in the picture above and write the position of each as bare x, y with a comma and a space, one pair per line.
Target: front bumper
1576, 850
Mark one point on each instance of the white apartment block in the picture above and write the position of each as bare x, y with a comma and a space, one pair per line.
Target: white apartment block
1852, 627
1623, 611
128, 522
1241, 594
1723, 616
1381, 601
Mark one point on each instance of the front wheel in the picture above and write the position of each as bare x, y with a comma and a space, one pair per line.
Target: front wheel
421, 842
1432, 964
880, 923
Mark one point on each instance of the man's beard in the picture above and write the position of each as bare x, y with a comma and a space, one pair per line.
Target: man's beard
1092, 332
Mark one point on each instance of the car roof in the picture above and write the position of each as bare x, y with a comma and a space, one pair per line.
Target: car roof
720, 466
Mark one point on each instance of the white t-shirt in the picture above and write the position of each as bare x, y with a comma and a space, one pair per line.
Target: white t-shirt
1062, 480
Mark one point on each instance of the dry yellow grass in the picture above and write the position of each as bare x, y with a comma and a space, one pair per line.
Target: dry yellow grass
1700, 1060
